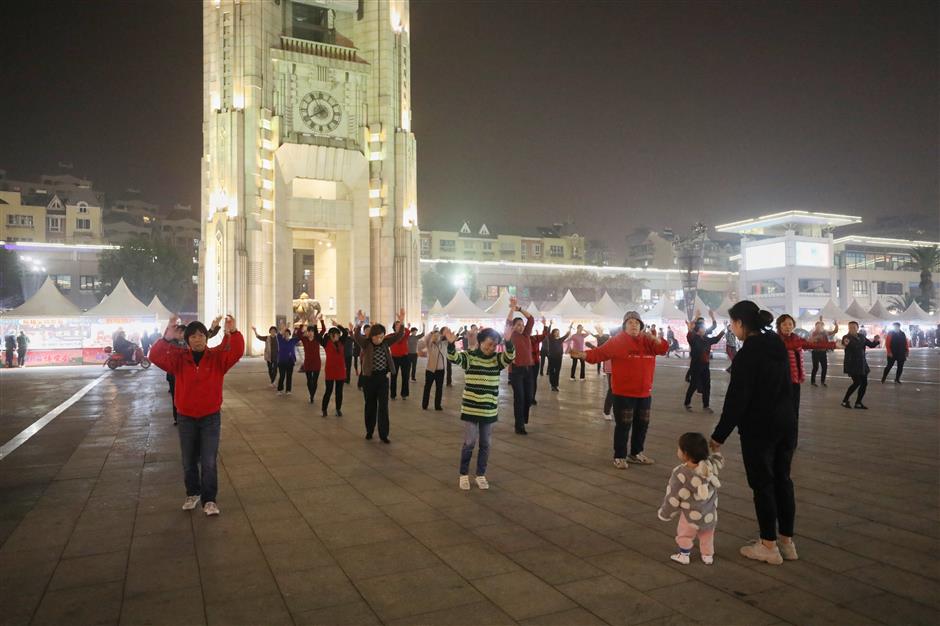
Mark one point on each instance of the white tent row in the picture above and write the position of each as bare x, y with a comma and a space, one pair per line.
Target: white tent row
48, 301
121, 302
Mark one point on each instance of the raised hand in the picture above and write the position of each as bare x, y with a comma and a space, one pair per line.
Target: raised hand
171, 326
401, 315
449, 335
229, 324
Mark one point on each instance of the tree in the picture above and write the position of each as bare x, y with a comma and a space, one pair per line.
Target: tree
11, 284
899, 304
442, 281
151, 267
926, 259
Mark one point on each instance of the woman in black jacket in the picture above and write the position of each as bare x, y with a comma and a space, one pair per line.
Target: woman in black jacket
758, 405
856, 365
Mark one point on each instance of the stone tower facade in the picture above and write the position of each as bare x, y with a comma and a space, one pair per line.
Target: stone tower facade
309, 164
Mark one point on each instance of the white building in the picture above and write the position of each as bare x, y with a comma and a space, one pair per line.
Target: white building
309, 159
792, 262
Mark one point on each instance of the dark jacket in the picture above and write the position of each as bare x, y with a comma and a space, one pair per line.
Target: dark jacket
286, 349
556, 347
758, 400
365, 344
855, 363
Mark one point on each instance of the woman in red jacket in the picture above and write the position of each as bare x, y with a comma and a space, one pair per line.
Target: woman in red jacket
795, 346
199, 372
311, 340
633, 362
399, 351
333, 346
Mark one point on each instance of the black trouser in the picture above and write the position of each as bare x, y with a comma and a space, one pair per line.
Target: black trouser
376, 392
330, 384
767, 465
348, 361
437, 380
897, 375
285, 373
609, 398
554, 370
312, 378
521, 395
859, 382
413, 363
574, 365
820, 362
171, 379
21, 358
795, 398
272, 370
542, 360
630, 414
700, 381
402, 364
599, 368
534, 376
449, 372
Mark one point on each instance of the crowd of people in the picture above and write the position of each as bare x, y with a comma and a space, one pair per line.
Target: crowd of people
762, 401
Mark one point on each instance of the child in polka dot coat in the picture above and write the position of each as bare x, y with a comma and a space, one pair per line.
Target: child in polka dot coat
692, 494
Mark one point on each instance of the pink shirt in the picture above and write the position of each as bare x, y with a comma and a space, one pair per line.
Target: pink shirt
576, 342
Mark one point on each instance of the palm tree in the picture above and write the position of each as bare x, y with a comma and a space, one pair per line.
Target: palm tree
926, 259
899, 304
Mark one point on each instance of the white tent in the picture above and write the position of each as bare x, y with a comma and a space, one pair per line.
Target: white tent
570, 309
534, 310
500, 306
829, 312
880, 312
858, 313
120, 303
722, 311
461, 307
47, 302
701, 307
914, 313
607, 308
157, 308
665, 310
436, 308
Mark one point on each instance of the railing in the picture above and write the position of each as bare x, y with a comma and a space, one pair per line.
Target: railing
316, 48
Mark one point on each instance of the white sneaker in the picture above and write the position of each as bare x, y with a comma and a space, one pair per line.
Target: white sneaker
210, 508
608, 418
288, 393
679, 557
280, 393
621, 463
465, 483
482, 483
788, 550
708, 560
190, 503
640, 459
757, 551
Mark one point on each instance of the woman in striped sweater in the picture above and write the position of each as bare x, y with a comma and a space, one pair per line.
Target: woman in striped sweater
478, 409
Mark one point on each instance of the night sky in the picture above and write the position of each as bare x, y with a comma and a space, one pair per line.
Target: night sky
612, 114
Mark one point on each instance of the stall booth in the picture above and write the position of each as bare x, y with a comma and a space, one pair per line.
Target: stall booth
121, 310
53, 325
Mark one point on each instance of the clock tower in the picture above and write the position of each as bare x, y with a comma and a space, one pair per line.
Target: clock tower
308, 168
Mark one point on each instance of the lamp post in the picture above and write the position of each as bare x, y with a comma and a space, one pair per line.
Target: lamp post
690, 255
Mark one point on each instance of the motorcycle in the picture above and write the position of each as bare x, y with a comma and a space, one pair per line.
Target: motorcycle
116, 360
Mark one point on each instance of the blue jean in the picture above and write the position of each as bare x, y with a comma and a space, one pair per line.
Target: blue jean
199, 444
472, 431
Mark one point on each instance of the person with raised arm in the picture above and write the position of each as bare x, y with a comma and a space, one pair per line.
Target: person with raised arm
855, 364
270, 351
821, 357
377, 362
519, 331
556, 352
700, 357
311, 339
199, 372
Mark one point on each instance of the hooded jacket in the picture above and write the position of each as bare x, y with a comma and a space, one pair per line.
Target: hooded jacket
758, 400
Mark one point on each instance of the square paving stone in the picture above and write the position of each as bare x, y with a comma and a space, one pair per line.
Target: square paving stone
406, 513
297, 555
509, 537
89, 570
252, 609
698, 601
554, 565
899, 582
246, 581
97, 604
892, 609
384, 557
316, 588
480, 613
522, 595
614, 601
355, 613
475, 560
292, 528
579, 540
169, 608
393, 596
437, 533
639, 571
798, 607
357, 532
571, 617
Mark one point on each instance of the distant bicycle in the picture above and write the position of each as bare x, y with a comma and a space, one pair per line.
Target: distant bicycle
116, 360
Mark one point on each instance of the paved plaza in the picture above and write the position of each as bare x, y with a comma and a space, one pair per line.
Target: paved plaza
320, 526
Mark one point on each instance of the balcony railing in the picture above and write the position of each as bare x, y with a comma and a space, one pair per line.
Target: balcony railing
316, 48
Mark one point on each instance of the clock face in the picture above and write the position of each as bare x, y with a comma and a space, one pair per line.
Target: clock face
320, 112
